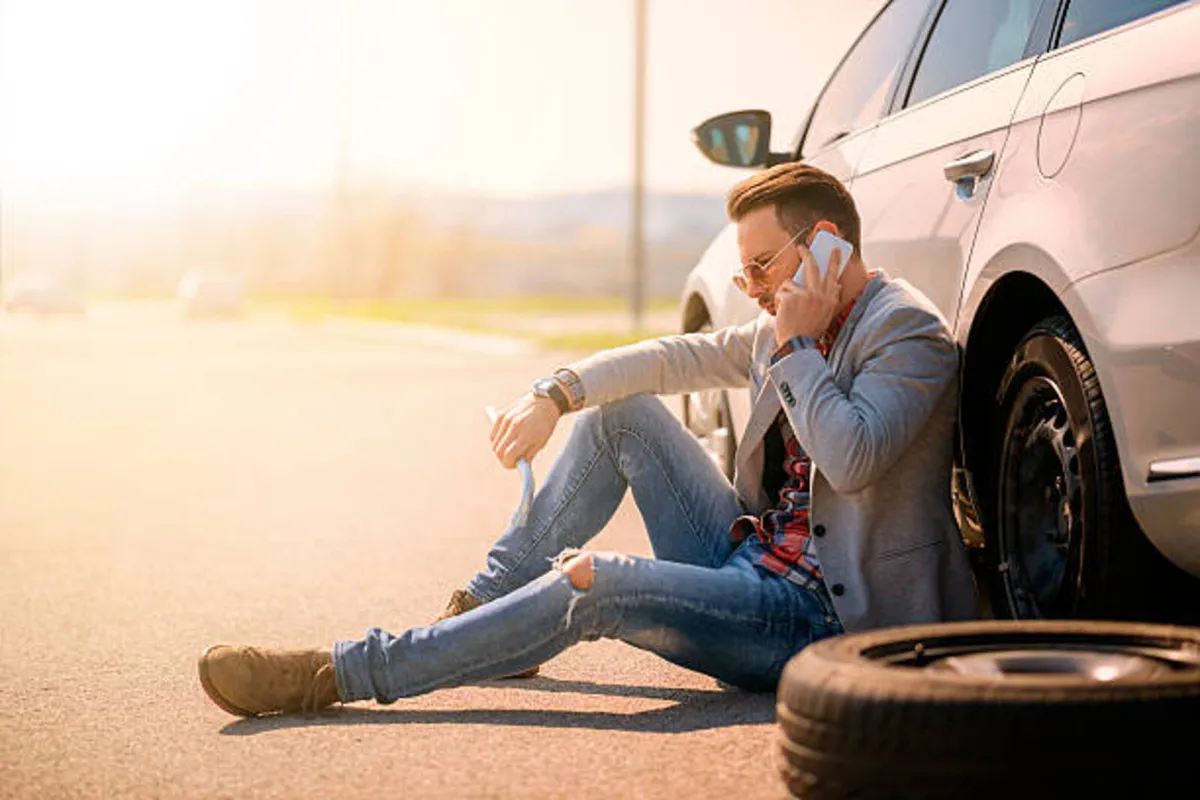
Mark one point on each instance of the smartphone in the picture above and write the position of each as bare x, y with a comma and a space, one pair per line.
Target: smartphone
822, 247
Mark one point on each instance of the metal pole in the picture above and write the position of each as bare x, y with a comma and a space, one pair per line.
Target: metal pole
637, 230
337, 265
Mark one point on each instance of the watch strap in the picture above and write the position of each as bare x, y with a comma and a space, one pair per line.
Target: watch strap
548, 387
573, 386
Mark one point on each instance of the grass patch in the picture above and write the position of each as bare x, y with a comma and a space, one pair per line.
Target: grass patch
595, 340
485, 315
455, 311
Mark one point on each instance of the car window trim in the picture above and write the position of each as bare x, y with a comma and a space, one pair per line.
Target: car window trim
1031, 51
920, 53
899, 98
969, 86
888, 104
1046, 28
1056, 42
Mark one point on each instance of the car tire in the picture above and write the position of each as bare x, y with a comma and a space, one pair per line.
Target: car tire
707, 415
1063, 541
999, 708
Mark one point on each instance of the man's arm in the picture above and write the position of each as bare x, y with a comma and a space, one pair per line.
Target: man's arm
855, 438
669, 365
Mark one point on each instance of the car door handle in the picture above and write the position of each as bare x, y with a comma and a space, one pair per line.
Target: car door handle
973, 165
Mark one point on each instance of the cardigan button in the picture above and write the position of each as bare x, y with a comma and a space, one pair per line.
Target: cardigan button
819, 531
838, 589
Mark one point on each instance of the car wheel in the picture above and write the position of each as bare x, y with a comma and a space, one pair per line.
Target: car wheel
707, 415
1064, 542
999, 708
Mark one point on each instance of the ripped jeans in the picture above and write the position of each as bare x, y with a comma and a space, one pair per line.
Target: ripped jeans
700, 602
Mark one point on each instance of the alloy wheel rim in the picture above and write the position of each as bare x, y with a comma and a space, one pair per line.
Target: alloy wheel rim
1041, 531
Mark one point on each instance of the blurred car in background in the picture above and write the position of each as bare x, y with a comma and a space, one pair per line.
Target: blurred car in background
205, 294
41, 293
1030, 166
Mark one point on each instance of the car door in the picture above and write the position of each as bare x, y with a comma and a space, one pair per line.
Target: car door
922, 181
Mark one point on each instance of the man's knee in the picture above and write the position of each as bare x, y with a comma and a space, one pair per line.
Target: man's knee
580, 569
578, 565
632, 412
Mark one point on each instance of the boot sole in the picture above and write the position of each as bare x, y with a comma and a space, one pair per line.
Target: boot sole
211, 690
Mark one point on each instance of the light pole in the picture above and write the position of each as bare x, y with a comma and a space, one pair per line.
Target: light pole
637, 244
340, 245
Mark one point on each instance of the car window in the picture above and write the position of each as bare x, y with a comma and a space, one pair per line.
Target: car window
972, 38
857, 93
1086, 18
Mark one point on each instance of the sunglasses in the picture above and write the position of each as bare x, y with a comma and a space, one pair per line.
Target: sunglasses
753, 272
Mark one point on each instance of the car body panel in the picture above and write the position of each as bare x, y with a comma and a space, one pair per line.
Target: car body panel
1143, 334
1118, 195
712, 282
916, 224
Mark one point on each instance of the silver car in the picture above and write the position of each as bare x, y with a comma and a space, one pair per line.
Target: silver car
1031, 166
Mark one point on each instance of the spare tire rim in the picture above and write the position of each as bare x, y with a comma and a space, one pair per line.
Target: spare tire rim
1005, 654
1041, 535
1092, 666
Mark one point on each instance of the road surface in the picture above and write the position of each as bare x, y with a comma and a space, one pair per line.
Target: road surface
165, 486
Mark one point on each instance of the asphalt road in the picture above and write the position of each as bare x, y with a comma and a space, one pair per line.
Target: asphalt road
165, 486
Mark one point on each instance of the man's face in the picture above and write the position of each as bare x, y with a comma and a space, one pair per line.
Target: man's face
763, 242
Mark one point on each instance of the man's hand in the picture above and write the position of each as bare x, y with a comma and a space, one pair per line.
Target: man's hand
522, 429
807, 310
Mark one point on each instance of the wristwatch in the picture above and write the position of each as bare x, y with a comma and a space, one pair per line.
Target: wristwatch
571, 384
548, 387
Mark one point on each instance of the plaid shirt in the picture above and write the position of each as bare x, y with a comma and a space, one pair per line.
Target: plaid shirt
781, 540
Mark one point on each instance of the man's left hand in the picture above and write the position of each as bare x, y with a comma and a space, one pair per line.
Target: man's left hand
807, 310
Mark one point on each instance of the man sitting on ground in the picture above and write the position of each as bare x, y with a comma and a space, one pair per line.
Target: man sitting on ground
839, 517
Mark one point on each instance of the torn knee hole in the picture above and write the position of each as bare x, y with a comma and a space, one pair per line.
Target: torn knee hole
580, 569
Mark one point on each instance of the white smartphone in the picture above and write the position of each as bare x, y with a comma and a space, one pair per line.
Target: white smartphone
822, 247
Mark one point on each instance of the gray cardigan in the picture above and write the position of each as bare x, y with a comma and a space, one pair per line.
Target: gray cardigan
877, 421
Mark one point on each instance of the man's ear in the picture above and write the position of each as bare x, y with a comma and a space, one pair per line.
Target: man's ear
825, 225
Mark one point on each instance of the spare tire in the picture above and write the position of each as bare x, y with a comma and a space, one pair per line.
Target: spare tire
999, 708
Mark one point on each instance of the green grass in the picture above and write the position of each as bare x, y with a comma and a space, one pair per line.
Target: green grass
595, 340
438, 310
483, 315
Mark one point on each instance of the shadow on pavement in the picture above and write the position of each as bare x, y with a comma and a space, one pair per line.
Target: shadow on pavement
694, 710
553, 685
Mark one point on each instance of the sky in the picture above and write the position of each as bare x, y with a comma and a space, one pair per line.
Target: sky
125, 101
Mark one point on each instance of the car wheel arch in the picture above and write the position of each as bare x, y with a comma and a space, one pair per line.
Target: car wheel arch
1013, 304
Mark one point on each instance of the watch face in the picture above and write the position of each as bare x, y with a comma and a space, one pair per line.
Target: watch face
548, 388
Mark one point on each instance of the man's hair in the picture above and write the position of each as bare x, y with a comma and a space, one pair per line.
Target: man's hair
802, 196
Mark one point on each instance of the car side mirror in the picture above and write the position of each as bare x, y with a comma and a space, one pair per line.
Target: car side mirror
737, 139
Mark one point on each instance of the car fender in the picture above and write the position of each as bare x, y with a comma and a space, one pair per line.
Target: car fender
711, 282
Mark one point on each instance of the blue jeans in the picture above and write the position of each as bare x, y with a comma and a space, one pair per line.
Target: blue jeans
700, 602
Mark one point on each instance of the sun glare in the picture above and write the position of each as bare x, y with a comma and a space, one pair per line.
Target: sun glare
134, 98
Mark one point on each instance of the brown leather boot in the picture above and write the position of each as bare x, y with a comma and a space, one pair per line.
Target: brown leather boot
462, 601
252, 681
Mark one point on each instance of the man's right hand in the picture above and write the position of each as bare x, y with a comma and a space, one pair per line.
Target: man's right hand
522, 429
